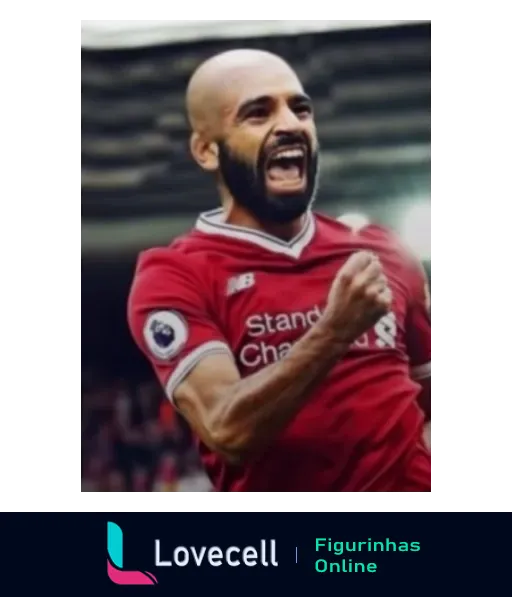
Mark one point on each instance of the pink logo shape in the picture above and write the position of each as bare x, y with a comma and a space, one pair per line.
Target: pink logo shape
129, 577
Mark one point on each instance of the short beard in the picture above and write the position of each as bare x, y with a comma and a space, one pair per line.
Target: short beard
246, 183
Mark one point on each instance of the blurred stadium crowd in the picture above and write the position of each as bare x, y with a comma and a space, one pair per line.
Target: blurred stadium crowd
371, 91
132, 440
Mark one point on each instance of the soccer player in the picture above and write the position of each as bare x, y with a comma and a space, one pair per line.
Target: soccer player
297, 349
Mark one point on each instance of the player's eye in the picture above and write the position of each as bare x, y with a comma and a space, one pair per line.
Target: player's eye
259, 113
303, 110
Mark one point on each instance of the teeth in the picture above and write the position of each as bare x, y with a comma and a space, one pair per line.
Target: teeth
290, 153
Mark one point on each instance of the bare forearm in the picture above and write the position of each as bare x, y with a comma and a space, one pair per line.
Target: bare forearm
258, 406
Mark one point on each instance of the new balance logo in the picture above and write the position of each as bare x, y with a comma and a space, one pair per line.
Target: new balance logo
239, 283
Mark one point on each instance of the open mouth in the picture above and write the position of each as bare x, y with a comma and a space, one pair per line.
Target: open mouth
286, 168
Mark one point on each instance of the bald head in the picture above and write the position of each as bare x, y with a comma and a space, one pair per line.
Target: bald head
218, 77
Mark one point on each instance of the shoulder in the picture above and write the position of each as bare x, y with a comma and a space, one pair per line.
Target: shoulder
371, 230
166, 287
161, 273
182, 257
405, 257
359, 227
390, 240
382, 239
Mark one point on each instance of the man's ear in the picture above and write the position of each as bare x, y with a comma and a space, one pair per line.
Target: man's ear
205, 153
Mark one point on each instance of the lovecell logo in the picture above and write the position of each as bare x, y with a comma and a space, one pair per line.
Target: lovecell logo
116, 573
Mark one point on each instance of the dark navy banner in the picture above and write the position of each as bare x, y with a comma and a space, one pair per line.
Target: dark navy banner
247, 554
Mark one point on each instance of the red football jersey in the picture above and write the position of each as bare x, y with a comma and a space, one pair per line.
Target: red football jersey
223, 288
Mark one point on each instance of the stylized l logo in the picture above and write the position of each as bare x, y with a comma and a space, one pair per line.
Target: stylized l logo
115, 561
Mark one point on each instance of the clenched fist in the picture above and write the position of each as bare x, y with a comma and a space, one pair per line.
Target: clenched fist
358, 298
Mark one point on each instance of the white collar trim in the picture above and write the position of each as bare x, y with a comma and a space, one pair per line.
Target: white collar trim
212, 222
